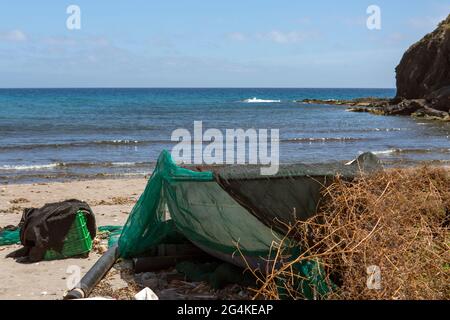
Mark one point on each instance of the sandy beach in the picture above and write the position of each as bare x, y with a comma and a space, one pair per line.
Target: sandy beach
111, 201
299, 155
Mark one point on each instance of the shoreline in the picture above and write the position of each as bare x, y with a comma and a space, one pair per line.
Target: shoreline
46, 179
118, 194
24, 180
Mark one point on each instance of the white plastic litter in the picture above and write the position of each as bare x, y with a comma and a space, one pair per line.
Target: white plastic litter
96, 298
146, 294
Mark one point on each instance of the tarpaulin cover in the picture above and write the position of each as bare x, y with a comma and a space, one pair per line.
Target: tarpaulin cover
232, 207
290, 195
233, 213
199, 209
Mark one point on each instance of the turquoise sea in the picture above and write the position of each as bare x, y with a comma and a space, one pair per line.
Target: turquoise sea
60, 134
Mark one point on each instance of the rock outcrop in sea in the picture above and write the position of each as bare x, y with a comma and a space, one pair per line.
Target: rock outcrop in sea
423, 81
423, 78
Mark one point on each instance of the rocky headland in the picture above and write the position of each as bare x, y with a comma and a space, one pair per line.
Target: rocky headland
422, 79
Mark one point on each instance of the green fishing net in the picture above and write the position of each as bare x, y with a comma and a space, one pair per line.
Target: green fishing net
194, 205
112, 232
9, 236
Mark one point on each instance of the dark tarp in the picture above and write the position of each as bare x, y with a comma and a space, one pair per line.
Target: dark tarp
46, 228
293, 193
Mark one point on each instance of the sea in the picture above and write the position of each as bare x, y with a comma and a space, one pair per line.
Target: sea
66, 134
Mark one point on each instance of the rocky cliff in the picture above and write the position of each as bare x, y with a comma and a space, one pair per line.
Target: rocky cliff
425, 66
423, 80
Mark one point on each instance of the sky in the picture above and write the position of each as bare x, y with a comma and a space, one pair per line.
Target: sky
209, 43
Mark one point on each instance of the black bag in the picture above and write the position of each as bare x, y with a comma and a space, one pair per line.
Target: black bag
46, 228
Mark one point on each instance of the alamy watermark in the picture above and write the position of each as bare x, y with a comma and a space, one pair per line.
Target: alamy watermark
74, 276
234, 146
373, 277
73, 21
373, 22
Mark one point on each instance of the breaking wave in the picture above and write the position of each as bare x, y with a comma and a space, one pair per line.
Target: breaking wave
98, 143
29, 167
62, 165
256, 100
411, 151
323, 140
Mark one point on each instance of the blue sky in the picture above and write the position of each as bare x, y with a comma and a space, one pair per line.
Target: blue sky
209, 43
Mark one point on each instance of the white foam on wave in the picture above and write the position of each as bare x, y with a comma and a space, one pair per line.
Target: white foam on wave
123, 141
256, 100
30, 167
388, 129
123, 164
389, 151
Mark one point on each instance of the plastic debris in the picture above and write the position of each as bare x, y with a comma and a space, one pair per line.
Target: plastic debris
96, 298
146, 294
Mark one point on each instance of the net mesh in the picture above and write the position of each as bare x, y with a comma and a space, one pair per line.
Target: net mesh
9, 236
232, 213
227, 208
199, 209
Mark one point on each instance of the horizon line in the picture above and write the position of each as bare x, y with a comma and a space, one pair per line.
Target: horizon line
181, 87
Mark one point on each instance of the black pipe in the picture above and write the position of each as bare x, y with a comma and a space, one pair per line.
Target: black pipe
94, 275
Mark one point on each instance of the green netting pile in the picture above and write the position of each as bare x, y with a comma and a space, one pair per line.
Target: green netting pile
198, 208
113, 233
217, 274
9, 236
232, 213
225, 208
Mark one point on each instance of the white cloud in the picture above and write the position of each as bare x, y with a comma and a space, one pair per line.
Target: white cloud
284, 37
65, 41
303, 20
276, 36
396, 37
425, 22
237, 36
59, 41
357, 21
13, 36
99, 41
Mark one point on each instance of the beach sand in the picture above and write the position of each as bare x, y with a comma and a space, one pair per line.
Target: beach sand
111, 201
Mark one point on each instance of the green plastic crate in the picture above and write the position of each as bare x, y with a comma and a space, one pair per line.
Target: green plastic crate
77, 242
